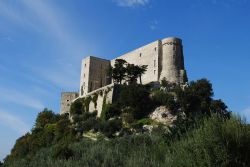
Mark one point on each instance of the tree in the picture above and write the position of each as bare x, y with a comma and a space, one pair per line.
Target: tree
141, 70
219, 107
196, 98
119, 70
135, 99
46, 117
132, 73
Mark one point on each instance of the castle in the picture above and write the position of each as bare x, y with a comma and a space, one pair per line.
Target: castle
164, 59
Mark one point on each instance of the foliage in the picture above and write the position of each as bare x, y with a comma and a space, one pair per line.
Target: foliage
119, 70
77, 107
212, 142
123, 70
109, 111
46, 117
108, 128
160, 97
62, 152
137, 98
134, 71
204, 133
94, 99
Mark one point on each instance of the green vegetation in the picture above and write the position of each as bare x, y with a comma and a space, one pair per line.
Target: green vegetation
204, 134
128, 72
212, 142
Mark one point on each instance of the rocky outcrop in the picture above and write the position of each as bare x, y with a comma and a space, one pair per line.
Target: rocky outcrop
163, 115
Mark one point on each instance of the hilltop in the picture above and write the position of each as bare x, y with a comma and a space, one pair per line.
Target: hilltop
203, 133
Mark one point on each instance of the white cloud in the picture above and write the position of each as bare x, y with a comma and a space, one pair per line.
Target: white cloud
131, 3
13, 122
246, 114
20, 98
153, 25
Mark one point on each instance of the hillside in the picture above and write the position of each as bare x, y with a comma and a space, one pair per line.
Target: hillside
204, 132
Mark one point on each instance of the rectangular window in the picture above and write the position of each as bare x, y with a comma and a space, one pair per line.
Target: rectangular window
140, 54
154, 63
154, 71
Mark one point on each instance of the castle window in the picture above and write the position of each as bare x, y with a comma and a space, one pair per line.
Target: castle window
81, 90
140, 54
85, 64
154, 63
67, 100
155, 48
154, 71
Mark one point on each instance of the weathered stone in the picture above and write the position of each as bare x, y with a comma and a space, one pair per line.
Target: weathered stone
163, 115
164, 59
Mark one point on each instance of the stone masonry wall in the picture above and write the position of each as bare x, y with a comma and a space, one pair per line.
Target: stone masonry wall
66, 100
146, 55
104, 95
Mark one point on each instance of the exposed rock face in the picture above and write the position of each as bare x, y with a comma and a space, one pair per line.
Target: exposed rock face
162, 114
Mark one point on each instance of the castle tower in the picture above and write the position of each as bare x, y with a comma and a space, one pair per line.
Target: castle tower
66, 100
93, 74
171, 61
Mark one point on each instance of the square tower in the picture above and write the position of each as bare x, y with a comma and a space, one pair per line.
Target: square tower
66, 100
94, 74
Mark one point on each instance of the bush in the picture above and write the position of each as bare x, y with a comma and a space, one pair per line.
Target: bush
110, 127
77, 107
136, 97
109, 111
62, 152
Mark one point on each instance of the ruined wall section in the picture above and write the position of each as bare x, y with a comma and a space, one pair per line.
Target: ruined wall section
66, 100
146, 55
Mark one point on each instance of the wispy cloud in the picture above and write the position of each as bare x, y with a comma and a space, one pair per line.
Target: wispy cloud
246, 113
44, 17
131, 3
13, 122
20, 98
153, 25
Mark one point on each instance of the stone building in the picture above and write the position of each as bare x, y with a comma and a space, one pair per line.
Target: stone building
164, 59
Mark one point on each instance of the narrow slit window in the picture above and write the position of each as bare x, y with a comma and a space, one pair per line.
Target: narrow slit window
154, 71
154, 63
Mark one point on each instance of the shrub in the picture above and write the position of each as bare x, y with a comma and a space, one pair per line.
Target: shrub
109, 111
77, 107
110, 127
62, 152
136, 97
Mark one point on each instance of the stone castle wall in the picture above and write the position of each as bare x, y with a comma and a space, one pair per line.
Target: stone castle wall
104, 96
164, 59
146, 55
66, 100
93, 74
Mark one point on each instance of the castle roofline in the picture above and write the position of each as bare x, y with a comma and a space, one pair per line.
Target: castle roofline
172, 38
95, 58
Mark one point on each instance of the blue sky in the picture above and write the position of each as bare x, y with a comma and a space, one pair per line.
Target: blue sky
42, 43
